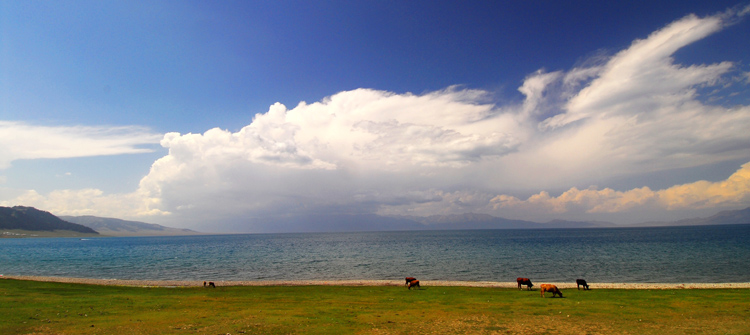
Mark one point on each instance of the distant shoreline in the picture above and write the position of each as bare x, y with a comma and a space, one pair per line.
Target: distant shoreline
185, 283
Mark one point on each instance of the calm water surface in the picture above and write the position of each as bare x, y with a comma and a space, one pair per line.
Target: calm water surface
705, 254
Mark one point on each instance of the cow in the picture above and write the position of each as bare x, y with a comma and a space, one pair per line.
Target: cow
414, 283
524, 281
210, 284
410, 279
581, 282
550, 288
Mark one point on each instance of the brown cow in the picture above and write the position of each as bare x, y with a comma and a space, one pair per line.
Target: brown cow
414, 283
210, 284
581, 282
410, 279
551, 288
524, 281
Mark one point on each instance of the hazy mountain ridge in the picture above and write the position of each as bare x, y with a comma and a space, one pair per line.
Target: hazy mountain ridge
373, 222
485, 221
118, 227
724, 217
32, 219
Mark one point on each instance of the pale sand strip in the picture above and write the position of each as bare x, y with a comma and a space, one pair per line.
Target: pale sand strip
426, 283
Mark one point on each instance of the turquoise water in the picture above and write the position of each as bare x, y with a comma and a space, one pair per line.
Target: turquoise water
706, 254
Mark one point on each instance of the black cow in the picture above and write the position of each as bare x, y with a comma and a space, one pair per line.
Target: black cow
581, 282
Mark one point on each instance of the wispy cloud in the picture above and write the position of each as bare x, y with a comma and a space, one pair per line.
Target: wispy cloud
644, 77
637, 111
24, 141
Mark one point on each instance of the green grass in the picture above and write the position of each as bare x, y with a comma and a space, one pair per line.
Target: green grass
28, 307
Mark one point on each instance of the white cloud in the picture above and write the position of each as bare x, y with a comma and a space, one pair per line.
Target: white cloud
534, 88
356, 150
636, 112
643, 77
744, 11
23, 141
734, 191
90, 202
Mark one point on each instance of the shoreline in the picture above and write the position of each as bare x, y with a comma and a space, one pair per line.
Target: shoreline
185, 283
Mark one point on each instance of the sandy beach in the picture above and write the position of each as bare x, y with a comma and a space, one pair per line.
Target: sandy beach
179, 283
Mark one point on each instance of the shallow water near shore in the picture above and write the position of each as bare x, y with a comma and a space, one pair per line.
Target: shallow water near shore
705, 254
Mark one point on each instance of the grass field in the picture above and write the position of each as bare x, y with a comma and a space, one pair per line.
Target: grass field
30, 307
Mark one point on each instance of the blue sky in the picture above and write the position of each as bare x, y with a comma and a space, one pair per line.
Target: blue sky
183, 112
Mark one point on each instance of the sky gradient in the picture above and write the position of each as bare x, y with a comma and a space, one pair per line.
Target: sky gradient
222, 116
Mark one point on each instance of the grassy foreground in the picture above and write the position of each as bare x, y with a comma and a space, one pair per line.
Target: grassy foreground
29, 307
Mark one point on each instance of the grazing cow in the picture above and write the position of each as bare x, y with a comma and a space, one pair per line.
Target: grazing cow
414, 283
550, 288
210, 284
581, 282
524, 281
410, 279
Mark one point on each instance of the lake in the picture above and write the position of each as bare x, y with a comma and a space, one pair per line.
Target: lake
699, 254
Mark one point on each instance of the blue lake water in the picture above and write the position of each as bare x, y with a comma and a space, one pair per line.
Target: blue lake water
705, 254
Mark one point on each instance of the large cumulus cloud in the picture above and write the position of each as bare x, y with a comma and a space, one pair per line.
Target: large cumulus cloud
354, 151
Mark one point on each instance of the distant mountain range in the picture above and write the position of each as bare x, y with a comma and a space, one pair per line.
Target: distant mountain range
117, 227
32, 219
484, 221
372, 222
725, 217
